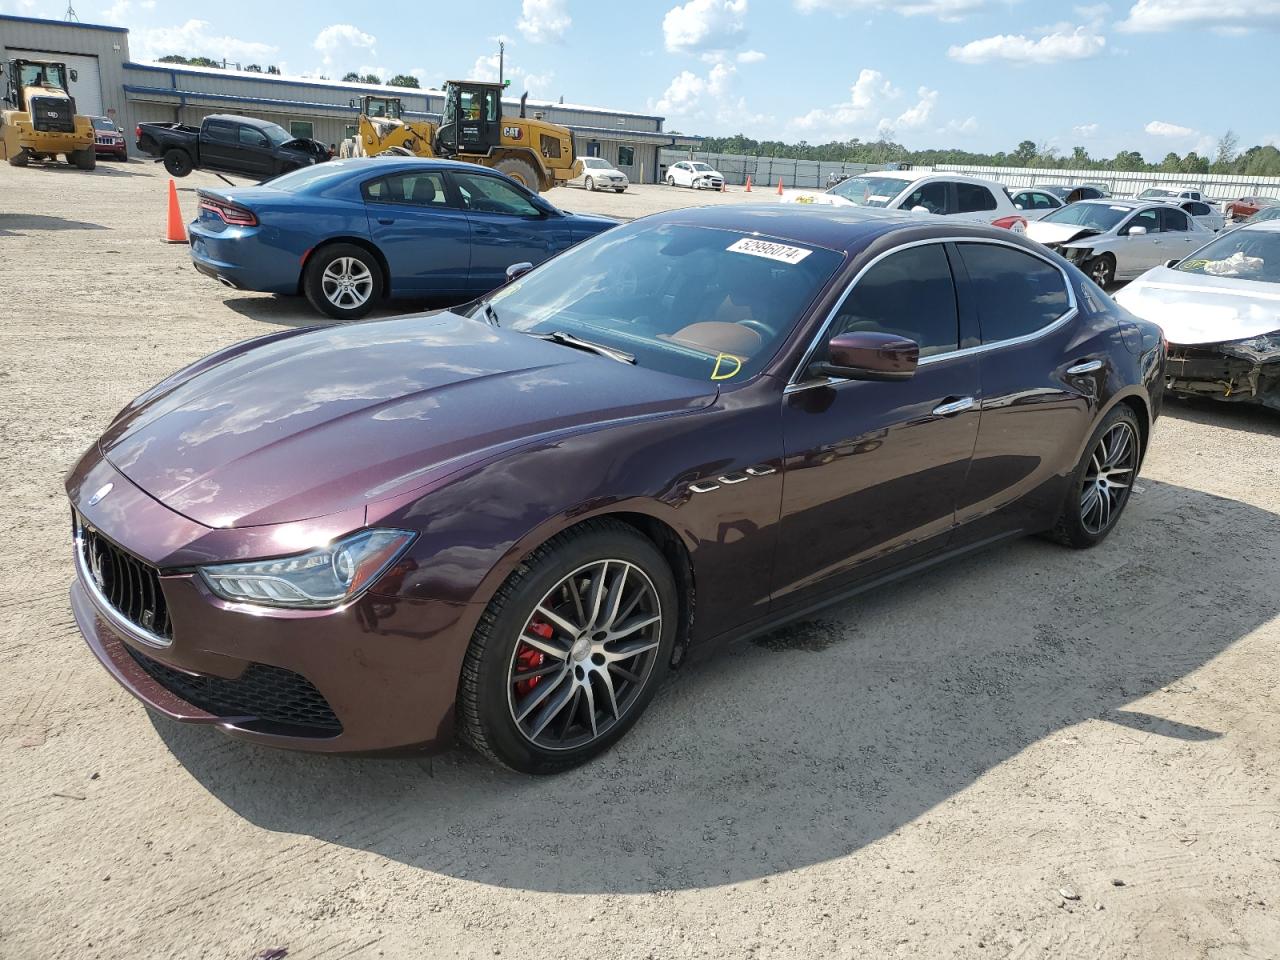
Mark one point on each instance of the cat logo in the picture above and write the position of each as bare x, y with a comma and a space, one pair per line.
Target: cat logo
513, 133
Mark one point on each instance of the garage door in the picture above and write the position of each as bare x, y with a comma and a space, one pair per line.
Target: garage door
86, 87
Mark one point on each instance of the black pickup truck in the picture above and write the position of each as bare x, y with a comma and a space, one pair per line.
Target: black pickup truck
231, 144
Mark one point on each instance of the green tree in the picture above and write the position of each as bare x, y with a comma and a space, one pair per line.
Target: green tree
173, 58
253, 68
1025, 153
351, 77
273, 69
1172, 163
205, 62
371, 78
1194, 163
1129, 160
1228, 150
1080, 158
404, 80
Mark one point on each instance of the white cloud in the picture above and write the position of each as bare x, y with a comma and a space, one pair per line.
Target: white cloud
338, 42
918, 115
965, 127
486, 69
750, 56
868, 97
948, 10
1094, 12
704, 25
1064, 44
1086, 130
710, 99
539, 84
544, 21
1158, 128
1224, 16
193, 39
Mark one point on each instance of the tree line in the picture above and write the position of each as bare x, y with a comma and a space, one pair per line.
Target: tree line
1262, 161
399, 80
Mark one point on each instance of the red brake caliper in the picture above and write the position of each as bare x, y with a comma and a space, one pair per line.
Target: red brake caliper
530, 658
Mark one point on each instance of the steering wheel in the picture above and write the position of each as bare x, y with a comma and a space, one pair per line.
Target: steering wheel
765, 331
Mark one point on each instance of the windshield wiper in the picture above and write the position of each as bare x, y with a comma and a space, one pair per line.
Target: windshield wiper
569, 340
490, 314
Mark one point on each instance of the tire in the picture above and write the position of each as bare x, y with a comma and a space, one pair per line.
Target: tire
343, 281
521, 171
1102, 270
177, 162
20, 159
620, 190
501, 720
671, 181
590, 185
1085, 520
84, 159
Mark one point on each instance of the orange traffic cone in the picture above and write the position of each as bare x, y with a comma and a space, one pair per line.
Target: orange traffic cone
722, 187
748, 190
176, 232
779, 186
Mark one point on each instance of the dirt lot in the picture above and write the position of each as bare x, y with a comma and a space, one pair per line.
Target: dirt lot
936, 772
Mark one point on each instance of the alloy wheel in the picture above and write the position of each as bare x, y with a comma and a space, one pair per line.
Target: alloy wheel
584, 655
1108, 478
347, 283
1100, 273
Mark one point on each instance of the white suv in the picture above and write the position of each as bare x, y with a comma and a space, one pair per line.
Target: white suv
943, 194
695, 174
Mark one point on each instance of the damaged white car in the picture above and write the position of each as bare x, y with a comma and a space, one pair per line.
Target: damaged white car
1220, 311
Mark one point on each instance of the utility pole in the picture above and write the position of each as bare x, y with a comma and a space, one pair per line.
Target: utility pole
502, 51
70, 15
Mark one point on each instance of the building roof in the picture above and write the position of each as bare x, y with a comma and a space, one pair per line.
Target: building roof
62, 23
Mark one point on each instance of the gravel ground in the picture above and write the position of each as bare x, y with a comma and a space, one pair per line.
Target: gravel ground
1037, 753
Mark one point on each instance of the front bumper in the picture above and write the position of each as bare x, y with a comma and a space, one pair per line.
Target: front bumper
1241, 371
380, 674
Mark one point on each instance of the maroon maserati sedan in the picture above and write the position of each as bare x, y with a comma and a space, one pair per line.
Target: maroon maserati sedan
509, 521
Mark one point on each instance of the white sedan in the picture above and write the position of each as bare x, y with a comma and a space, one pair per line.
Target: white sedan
1219, 308
596, 173
695, 174
922, 191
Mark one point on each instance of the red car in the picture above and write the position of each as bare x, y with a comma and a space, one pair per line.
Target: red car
1246, 207
108, 141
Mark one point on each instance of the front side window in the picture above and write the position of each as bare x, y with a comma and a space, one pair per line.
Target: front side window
696, 302
484, 194
417, 188
1149, 219
973, 198
932, 197
1044, 201
910, 294
250, 137
1016, 293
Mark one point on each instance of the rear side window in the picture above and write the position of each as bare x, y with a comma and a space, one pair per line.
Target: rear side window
418, 188
932, 196
973, 198
1016, 293
1196, 208
1173, 220
909, 293
220, 132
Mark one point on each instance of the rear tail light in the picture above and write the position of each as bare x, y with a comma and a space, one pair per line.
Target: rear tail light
137, 131
229, 213
1016, 224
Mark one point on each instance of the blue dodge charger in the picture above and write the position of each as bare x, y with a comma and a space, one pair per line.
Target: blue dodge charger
349, 232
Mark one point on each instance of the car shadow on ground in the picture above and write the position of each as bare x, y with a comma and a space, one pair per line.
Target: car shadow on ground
297, 312
103, 168
1248, 417
19, 224
822, 738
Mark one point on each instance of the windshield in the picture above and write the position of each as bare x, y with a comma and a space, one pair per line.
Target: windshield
699, 166
277, 134
595, 163
696, 302
1266, 213
102, 123
44, 74
1097, 216
869, 191
1244, 254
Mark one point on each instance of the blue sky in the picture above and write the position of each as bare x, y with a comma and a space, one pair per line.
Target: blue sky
1149, 75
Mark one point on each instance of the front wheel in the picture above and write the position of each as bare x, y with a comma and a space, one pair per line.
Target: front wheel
178, 162
1102, 482
671, 181
591, 185
19, 159
343, 281
570, 650
86, 159
1102, 270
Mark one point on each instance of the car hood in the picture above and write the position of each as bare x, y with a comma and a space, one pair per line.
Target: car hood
815, 196
588, 224
328, 419
1043, 232
1193, 309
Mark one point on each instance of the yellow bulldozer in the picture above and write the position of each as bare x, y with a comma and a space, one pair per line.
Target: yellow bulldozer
533, 152
39, 119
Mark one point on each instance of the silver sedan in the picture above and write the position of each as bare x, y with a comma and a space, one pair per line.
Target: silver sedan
596, 173
1113, 240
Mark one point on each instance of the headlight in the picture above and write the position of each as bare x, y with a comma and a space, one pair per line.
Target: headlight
1078, 254
326, 577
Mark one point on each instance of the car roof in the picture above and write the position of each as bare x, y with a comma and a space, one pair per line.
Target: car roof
247, 121
843, 229
405, 163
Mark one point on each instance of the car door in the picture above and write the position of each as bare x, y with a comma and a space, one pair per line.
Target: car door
680, 174
422, 233
1042, 359
1138, 254
872, 468
253, 156
219, 141
507, 227
1179, 233
933, 196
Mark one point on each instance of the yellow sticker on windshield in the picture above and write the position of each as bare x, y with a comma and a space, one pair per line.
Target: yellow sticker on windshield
718, 374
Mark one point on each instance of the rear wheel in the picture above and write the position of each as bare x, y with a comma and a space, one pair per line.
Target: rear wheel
671, 181
85, 159
591, 185
570, 650
177, 162
1102, 270
1102, 482
343, 281
521, 171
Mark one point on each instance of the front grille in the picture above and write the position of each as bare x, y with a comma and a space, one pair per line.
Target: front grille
52, 114
277, 700
130, 586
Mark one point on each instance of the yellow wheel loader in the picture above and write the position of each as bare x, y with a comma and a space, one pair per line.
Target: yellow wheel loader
39, 119
534, 152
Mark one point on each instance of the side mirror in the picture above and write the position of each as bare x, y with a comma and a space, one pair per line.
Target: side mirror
1172, 263
518, 270
1017, 206
919, 209
1137, 232
868, 355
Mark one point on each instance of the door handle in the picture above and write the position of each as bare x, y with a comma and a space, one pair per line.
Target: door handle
386, 220
953, 406
1085, 366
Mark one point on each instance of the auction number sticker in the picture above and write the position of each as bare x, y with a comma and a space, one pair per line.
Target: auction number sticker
769, 250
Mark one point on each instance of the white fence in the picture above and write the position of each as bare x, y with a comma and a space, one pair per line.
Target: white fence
1123, 183
765, 171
